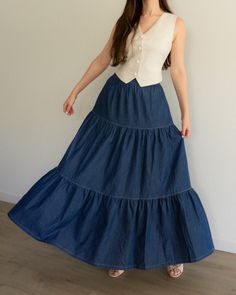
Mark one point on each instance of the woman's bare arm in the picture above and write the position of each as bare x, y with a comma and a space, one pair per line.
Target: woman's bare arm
96, 67
178, 73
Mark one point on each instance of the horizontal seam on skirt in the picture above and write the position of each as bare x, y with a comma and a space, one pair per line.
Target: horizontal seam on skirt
122, 197
127, 126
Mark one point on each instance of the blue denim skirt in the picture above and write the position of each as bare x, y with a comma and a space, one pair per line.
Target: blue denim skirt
121, 195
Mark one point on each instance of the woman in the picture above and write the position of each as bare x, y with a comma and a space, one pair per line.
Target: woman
121, 196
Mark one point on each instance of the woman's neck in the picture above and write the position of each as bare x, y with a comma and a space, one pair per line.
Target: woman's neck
151, 7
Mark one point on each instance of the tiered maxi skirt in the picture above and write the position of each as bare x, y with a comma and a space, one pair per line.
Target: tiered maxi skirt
121, 195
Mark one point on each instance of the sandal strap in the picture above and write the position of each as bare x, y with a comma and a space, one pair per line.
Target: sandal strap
173, 266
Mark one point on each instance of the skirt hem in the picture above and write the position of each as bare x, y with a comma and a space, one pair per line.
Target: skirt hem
100, 265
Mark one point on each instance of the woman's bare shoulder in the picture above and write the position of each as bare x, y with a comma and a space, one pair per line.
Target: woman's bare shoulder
180, 27
180, 22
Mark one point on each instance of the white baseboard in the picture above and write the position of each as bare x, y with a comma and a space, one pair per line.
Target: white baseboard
223, 245
8, 198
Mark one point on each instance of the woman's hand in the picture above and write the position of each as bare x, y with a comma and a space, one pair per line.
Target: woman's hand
185, 126
68, 104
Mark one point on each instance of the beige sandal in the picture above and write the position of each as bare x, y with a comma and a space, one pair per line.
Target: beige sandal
172, 269
115, 272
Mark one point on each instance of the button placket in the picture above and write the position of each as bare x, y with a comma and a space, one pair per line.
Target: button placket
138, 58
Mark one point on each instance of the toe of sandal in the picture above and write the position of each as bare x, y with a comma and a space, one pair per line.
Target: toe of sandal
115, 272
171, 269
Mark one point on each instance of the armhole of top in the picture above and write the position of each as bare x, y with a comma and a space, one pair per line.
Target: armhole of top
173, 28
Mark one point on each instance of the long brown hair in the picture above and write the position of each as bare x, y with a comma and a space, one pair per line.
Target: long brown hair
126, 22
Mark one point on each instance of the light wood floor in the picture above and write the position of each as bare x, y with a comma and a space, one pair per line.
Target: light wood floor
30, 267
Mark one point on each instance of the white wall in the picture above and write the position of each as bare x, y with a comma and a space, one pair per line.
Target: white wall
45, 48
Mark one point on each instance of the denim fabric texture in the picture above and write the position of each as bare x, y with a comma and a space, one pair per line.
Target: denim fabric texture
121, 196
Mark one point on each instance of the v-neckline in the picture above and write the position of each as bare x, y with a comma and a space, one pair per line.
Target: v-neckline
152, 26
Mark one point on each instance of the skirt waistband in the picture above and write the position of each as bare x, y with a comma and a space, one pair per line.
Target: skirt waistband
135, 83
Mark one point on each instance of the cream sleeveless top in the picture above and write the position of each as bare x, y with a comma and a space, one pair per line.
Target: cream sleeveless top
147, 54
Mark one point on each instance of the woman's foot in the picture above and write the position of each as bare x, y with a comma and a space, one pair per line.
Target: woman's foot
175, 270
115, 272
